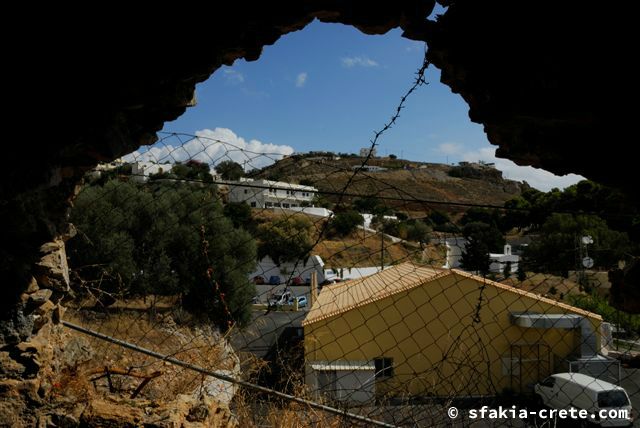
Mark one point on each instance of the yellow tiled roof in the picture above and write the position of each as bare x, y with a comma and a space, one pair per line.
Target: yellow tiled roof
340, 298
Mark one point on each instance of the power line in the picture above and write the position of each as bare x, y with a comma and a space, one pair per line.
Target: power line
401, 199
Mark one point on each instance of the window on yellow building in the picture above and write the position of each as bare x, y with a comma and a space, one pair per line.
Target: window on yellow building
384, 367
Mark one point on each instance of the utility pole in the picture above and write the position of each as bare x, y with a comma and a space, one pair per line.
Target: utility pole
382, 250
584, 262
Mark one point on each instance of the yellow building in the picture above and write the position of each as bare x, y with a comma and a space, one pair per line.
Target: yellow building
417, 331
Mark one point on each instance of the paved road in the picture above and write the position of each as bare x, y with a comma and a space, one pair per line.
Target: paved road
264, 330
265, 290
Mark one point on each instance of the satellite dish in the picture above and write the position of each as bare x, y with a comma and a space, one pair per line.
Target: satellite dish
587, 240
587, 262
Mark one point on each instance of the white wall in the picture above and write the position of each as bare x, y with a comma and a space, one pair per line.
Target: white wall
316, 211
368, 218
351, 273
267, 268
351, 386
454, 247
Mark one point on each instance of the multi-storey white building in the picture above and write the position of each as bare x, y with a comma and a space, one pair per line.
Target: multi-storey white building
270, 194
140, 171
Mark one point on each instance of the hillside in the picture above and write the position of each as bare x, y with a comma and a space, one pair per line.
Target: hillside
407, 184
360, 248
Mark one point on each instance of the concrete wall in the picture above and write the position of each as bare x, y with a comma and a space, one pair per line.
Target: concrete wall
267, 268
351, 386
438, 344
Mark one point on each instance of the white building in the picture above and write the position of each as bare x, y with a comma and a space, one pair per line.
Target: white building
499, 261
314, 211
346, 274
140, 171
369, 168
368, 218
270, 194
267, 268
454, 248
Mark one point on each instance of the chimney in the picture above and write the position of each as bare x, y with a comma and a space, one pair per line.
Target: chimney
314, 288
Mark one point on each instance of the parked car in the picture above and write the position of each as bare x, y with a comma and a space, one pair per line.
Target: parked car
302, 301
297, 280
280, 298
258, 280
565, 390
274, 280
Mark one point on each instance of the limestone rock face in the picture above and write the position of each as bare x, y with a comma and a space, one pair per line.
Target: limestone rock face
52, 270
109, 414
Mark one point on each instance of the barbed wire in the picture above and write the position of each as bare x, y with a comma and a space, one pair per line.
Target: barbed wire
398, 340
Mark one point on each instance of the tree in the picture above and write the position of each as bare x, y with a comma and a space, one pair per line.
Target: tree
482, 239
230, 170
371, 205
307, 182
286, 239
484, 215
532, 208
402, 216
192, 170
345, 222
506, 272
521, 273
392, 156
394, 228
556, 248
136, 240
321, 201
441, 222
240, 214
418, 231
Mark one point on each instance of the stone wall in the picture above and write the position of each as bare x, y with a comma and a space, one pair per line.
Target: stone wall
31, 337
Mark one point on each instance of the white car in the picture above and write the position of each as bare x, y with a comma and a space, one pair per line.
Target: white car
302, 301
280, 298
607, 404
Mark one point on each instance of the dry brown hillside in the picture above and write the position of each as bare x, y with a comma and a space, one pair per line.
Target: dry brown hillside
359, 248
408, 184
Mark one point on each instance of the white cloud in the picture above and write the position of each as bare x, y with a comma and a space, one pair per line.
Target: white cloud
450, 148
232, 76
538, 178
361, 61
301, 80
212, 147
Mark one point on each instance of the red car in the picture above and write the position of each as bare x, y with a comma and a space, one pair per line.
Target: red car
297, 281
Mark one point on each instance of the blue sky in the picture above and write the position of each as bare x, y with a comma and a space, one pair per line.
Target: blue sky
329, 87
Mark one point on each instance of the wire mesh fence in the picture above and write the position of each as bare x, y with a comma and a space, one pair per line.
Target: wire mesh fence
336, 280
330, 289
